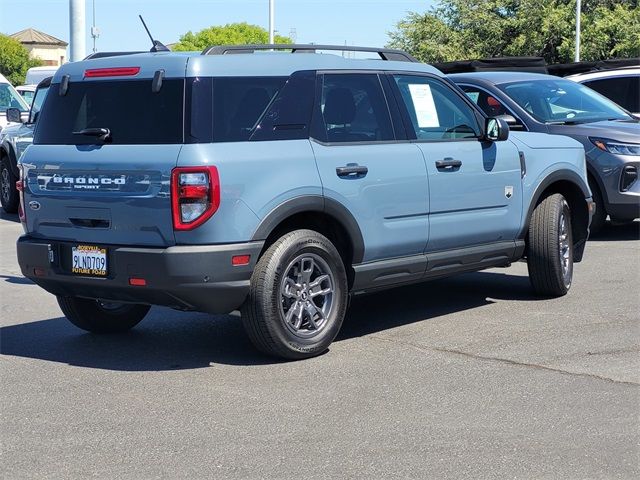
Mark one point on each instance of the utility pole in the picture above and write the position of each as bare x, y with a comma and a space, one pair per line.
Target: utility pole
77, 30
578, 10
271, 21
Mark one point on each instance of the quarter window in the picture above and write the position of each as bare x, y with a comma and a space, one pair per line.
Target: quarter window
436, 111
239, 103
353, 108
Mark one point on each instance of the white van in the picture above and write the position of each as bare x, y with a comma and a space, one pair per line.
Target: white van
9, 98
36, 74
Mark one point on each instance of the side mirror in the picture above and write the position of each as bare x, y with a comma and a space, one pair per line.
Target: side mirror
14, 115
496, 129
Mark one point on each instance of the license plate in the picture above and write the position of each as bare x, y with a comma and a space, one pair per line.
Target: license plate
89, 260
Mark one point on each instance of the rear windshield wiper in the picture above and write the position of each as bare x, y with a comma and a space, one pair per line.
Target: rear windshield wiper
102, 133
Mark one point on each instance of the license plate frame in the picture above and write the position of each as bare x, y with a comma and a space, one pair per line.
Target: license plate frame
89, 261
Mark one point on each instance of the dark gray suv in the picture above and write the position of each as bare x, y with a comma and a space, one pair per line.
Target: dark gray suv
542, 103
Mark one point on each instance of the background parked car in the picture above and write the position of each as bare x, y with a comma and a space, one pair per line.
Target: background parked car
9, 98
14, 139
622, 85
36, 74
542, 103
27, 92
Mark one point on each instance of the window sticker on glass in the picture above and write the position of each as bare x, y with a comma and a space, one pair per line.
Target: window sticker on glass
426, 112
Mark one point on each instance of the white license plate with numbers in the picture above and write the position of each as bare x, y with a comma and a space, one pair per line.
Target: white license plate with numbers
89, 260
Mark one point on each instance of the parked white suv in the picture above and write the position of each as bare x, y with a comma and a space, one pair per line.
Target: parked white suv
622, 85
9, 98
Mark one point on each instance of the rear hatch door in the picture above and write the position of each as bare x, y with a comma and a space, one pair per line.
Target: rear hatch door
84, 186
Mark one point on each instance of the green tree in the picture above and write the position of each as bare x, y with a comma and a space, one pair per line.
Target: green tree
14, 60
230, 34
466, 29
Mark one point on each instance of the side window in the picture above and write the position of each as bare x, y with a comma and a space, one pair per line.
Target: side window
487, 103
289, 115
624, 91
435, 110
239, 103
491, 106
36, 105
353, 108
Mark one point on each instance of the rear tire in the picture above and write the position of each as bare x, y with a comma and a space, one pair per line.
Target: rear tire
8, 192
550, 254
96, 316
600, 215
298, 297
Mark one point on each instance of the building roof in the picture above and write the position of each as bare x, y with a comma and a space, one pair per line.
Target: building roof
33, 36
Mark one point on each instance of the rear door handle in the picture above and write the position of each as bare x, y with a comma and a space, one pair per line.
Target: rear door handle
352, 170
448, 164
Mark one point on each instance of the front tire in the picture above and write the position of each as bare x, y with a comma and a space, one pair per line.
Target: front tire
550, 254
298, 297
97, 316
8, 192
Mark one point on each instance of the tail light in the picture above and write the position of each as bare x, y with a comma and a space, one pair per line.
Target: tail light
195, 196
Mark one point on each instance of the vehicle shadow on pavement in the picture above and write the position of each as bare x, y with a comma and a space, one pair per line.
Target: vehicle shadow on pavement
421, 302
170, 340
16, 280
165, 340
13, 217
628, 231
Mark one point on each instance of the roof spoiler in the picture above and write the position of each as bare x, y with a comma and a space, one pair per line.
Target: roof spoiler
109, 54
383, 53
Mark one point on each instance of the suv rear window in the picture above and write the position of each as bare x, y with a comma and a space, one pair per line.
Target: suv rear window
128, 108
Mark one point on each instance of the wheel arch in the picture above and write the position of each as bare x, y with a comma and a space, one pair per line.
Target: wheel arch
575, 190
324, 215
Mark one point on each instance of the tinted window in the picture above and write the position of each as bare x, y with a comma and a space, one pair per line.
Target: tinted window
239, 103
289, 115
353, 109
128, 108
625, 91
435, 110
562, 101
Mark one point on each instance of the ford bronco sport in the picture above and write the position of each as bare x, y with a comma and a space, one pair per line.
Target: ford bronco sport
280, 183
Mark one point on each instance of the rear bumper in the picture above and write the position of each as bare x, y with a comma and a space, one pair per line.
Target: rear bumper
200, 278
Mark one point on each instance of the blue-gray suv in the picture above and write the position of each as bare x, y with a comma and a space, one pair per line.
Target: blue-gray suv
280, 183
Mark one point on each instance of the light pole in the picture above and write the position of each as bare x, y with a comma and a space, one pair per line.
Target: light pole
77, 39
578, 9
271, 21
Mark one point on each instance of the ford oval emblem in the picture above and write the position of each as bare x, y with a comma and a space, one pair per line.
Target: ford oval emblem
34, 205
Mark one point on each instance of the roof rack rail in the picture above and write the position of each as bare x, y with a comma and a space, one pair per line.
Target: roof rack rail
384, 53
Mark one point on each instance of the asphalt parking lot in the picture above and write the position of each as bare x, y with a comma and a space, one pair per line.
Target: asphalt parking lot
469, 377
